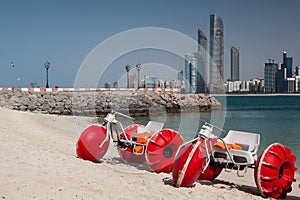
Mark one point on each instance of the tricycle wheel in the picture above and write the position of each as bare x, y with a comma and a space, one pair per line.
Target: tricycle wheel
189, 163
88, 145
161, 150
126, 153
274, 171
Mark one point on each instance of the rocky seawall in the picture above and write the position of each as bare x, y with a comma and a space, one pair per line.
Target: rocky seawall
91, 103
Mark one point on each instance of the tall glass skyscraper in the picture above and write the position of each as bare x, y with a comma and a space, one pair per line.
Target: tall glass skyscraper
202, 63
270, 76
202, 41
235, 64
190, 73
288, 64
216, 51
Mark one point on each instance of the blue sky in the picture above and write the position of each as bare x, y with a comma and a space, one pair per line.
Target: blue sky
64, 32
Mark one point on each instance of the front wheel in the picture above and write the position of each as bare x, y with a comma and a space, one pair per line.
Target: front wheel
88, 145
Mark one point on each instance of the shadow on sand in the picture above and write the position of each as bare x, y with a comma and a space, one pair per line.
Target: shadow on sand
117, 161
221, 184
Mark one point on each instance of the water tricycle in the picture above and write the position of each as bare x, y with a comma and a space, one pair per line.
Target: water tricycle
204, 158
135, 144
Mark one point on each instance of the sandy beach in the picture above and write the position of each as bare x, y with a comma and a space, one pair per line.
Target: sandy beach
38, 161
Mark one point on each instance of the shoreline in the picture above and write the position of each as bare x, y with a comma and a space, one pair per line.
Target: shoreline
39, 161
249, 95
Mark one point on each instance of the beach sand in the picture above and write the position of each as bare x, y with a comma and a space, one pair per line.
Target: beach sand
38, 161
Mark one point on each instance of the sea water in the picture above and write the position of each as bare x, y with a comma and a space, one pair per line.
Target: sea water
275, 118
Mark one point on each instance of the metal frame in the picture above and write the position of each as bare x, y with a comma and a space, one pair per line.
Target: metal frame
114, 128
207, 132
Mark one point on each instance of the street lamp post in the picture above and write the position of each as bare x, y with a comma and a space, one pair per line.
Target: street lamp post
127, 67
47, 66
138, 67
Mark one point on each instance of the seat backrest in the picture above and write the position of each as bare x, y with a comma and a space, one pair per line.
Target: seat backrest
244, 139
151, 127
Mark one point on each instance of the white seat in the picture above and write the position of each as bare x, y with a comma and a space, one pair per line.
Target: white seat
249, 143
151, 127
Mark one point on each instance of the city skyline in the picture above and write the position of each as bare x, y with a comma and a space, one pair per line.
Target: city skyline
65, 32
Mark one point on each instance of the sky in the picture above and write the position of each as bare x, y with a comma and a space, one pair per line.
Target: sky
64, 32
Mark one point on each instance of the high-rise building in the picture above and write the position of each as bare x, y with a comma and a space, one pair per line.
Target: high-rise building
202, 41
235, 64
202, 57
190, 73
270, 76
288, 64
216, 51
195, 73
281, 76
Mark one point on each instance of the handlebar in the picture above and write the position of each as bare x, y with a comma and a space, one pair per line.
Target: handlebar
213, 126
123, 115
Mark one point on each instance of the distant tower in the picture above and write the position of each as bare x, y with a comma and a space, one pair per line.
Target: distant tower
216, 51
201, 73
202, 40
190, 73
235, 64
202, 64
288, 64
270, 76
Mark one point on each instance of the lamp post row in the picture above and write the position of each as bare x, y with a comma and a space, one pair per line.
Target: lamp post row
127, 67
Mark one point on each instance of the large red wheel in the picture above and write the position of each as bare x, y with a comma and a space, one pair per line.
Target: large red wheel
274, 171
126, 153
161, 150
88, 145
189, 163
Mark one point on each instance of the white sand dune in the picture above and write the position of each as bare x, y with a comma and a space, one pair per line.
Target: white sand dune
38, 161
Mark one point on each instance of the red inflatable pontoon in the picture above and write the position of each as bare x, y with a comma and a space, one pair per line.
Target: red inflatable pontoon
89, 141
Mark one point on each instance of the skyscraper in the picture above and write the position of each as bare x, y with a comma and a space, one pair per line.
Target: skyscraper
270, 76
235, 64
202, 63
281, 76
288, 64
202, 41
190, 73
216, 51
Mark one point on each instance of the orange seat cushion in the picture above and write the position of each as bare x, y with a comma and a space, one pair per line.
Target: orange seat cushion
229, 146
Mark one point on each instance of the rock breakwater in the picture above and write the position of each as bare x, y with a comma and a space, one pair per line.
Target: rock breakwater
100, 103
